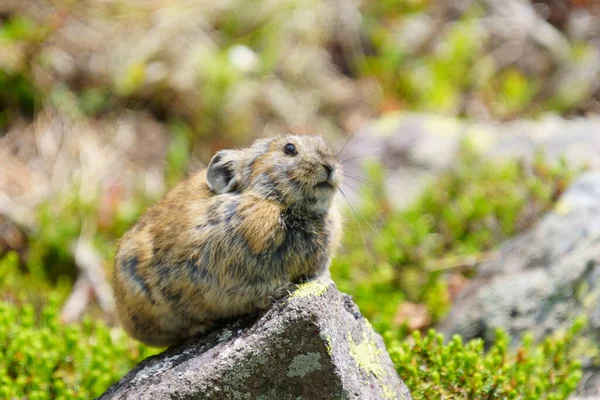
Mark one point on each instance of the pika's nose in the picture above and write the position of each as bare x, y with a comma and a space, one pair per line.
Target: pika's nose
329, 169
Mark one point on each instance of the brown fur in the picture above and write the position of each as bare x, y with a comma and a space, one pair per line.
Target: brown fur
229, 239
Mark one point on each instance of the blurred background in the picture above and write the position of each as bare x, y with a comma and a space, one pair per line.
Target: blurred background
441, 108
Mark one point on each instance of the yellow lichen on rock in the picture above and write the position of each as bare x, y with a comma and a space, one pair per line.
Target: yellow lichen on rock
312, 288
367, 357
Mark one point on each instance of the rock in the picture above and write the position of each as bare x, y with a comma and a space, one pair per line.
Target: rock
416, 148
542, 280
313, 345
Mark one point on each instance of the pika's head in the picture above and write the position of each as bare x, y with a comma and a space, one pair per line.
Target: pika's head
298, 171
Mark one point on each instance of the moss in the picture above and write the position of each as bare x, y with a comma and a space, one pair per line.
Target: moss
313, 288
454, 371
40, 358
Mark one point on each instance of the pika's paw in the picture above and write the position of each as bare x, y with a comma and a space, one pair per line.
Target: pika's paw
278, 294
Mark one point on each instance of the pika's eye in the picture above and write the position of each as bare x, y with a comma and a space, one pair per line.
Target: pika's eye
290, 149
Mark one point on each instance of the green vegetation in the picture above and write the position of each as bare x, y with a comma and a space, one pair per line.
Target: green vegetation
105, 214
483, 203
50, 255
205, 100
391, 256
18, 94
41, 358
445, 66
456, 370
455, 66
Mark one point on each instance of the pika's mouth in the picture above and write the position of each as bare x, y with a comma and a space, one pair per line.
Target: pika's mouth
324, 185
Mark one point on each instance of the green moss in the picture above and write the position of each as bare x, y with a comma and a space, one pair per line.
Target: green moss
312, 288
40, 358
22, 288
432, 369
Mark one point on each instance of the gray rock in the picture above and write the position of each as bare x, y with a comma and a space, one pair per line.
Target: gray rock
542, 280
313, 345
415, 148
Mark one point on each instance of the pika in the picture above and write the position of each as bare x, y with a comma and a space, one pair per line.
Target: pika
229, 239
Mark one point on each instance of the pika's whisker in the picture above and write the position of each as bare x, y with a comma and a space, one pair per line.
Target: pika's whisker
370, 219
359, 156
353, 210
356, 178
384, 224
345, 144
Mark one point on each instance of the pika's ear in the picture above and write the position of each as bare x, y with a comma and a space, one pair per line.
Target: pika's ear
221, 173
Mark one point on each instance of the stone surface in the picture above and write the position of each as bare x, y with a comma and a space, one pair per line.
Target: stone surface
312, 345
542, 280
415, 148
